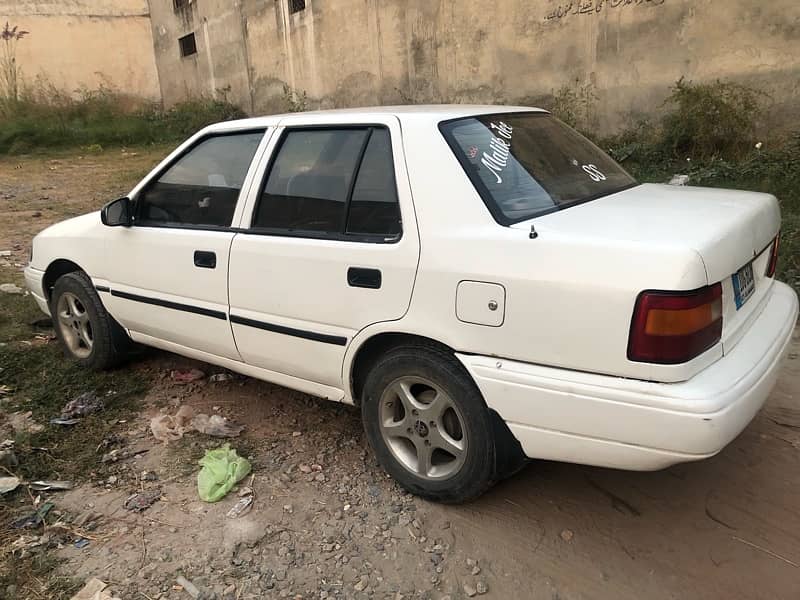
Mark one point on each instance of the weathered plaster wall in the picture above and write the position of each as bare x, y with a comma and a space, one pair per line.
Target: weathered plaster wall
75, 43
362, 52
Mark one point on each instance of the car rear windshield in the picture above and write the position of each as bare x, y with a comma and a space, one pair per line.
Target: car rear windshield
528, 164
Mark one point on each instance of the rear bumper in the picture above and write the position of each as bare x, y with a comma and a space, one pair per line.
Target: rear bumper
33, 280
637, 425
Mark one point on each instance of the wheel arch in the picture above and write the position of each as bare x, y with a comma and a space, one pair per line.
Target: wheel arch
367, 352
509, 455
56, 269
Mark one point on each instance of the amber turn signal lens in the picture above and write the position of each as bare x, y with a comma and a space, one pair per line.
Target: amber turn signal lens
682, 322
675, 327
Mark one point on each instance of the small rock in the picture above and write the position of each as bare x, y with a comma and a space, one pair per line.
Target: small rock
305, 469
288, 508
83, 518
188, 586
482, 588
567, 535
297, 433
10, 288
362, 583
471, 562
229, 591
469, 590
8, 459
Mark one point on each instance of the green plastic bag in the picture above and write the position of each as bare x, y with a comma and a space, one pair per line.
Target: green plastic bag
222, 469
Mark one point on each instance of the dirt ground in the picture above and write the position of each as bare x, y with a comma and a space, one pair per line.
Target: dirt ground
328, 523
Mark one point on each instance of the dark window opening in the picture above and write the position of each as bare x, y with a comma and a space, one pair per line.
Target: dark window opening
336, 182
296, 6
202, 187
180, 4
188, 45
373, 207
529, 164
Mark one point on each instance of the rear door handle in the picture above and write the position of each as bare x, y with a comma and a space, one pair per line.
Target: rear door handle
365, 278
205, 259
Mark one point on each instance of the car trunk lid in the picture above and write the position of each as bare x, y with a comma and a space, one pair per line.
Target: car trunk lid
728, 229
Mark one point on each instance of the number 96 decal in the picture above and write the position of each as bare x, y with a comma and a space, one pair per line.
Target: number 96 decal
594, 173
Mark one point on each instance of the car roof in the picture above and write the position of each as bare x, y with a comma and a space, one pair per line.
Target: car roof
431, 112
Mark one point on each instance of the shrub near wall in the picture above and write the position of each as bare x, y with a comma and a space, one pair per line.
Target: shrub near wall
53, 119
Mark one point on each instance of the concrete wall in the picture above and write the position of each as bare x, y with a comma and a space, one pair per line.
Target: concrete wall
75, 43
365, 52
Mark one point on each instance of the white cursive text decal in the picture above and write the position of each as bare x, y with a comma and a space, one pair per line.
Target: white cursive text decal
497, 161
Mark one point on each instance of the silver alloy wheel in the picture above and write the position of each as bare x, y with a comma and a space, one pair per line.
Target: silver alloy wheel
423, 428
75, 325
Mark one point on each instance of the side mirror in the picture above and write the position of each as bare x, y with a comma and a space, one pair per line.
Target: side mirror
117, 213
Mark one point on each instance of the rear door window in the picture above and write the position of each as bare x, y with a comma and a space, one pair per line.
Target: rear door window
529, 164
201, 187
333, 183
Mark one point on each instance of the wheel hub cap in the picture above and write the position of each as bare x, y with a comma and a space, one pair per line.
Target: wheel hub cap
75, 325
423, 428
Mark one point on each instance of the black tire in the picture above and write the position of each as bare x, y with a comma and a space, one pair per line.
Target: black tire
428, 362
110, 342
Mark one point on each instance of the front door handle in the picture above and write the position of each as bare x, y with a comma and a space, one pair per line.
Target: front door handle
205, 259
365, 278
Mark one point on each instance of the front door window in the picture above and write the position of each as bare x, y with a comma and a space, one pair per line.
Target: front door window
201, 188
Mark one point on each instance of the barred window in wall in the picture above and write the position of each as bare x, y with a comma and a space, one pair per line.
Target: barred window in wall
188, 45
296, 6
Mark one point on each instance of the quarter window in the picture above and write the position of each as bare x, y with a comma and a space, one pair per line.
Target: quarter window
201, 188
374, 209
336, 182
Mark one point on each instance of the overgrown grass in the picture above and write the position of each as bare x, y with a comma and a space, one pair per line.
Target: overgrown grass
50, 119
40, 380
17, 314
43, 381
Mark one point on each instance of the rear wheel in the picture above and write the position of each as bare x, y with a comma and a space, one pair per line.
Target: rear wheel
86, 331
429, 425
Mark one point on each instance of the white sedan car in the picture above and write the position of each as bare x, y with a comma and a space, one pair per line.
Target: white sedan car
483, 281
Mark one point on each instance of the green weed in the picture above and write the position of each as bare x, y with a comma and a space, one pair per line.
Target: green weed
49, 118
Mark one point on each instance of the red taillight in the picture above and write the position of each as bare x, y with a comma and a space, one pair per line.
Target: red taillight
772, 265
675, 327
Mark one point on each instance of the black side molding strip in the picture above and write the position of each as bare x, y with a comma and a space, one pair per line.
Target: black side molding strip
301, 333
207, 312
102, 288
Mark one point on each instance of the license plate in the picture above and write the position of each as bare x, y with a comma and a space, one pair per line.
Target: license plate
744, 284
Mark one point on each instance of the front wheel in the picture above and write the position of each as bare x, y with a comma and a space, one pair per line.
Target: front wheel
428, 424
86, 331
